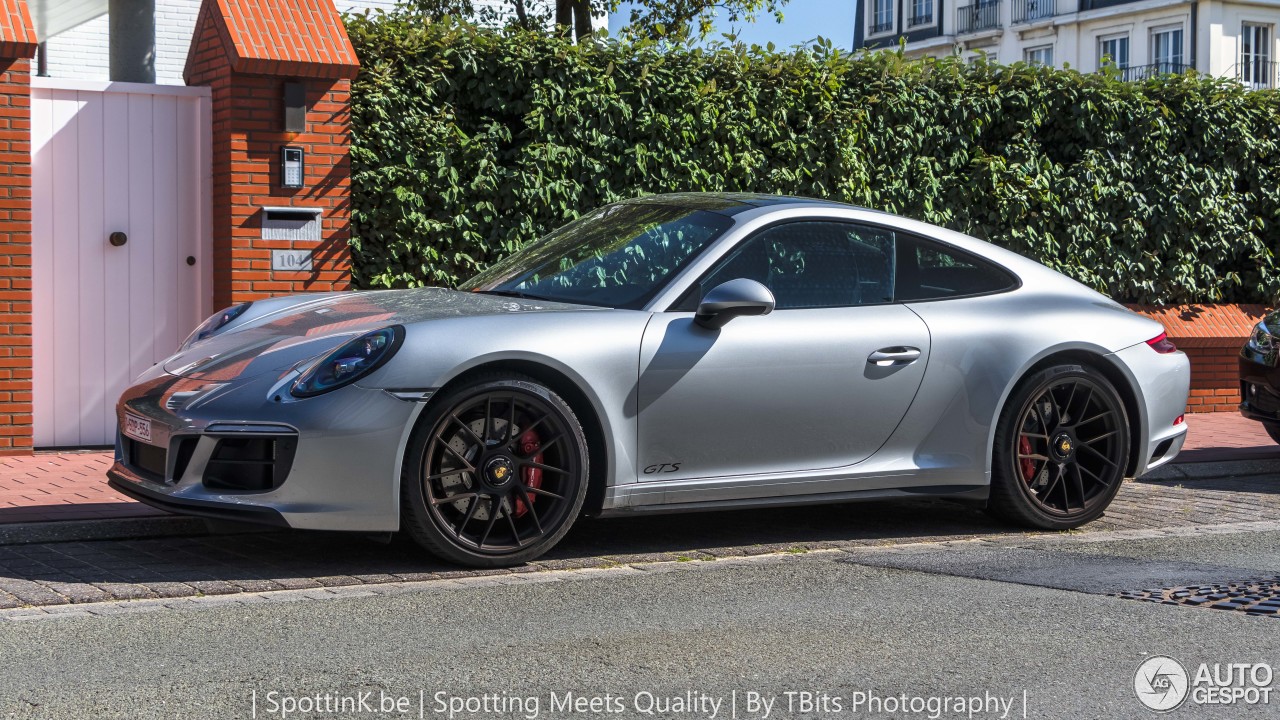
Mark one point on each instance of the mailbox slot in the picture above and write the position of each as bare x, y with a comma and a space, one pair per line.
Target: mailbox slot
295, 224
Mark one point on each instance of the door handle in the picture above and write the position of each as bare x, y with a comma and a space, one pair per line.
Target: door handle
885, 357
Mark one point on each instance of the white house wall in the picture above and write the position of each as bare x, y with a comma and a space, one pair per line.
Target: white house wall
80, 52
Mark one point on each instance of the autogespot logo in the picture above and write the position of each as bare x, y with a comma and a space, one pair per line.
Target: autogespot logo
1161, 683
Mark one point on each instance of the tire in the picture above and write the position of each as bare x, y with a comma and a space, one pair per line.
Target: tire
480, 490
1273, 431
1061, 449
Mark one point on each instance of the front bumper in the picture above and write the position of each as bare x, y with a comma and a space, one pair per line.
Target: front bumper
331, 462
1259, 389
129, 484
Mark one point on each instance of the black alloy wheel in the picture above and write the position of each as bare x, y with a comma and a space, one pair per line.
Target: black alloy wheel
1062, 447
497, 475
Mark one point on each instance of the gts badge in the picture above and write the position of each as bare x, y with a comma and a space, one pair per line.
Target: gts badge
662, 468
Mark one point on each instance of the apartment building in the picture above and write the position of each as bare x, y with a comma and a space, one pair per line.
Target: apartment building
1139, 37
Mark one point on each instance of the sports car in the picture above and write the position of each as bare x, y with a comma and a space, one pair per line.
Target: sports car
679, 352
1260, 376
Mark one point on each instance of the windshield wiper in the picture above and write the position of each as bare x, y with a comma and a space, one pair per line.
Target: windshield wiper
517, 294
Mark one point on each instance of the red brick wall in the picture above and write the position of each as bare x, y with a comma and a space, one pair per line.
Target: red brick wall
1215, 378
15, 257
248, 120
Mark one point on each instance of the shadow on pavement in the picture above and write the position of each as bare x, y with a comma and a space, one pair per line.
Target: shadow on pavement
57, 573
1254, 483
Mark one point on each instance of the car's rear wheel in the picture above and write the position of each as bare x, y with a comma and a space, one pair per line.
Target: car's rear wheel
1061, 449
496, 473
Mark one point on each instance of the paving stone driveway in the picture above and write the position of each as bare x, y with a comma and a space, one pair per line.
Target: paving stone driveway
86, 572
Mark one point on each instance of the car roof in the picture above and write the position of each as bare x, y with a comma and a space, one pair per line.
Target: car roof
730, 204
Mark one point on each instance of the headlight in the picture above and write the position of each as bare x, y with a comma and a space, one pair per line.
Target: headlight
349, 363
1261, 340
216, 322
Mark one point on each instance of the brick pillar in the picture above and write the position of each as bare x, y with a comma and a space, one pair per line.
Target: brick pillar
248, 52
17, 45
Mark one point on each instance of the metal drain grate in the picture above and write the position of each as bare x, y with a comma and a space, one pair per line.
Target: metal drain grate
1255, 597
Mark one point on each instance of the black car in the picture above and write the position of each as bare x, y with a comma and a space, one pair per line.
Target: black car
1260, 376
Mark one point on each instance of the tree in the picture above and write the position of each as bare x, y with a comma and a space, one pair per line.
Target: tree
672, 20
682, 20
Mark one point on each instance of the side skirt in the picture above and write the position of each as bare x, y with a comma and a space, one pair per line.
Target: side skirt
976, 494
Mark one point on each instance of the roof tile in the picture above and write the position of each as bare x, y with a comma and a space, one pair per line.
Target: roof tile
303, 38
17, 34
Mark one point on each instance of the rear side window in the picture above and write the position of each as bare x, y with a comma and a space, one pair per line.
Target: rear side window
928, 271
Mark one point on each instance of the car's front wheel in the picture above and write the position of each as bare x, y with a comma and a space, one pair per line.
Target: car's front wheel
1061, 448
1273, 431
496, 473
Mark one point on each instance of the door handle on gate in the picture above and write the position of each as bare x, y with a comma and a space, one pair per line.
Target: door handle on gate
885, 357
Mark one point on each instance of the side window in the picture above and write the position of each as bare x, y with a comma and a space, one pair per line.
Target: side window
812, 265
927, 271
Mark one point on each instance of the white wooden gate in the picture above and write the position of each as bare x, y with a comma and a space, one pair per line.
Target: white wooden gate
108, 158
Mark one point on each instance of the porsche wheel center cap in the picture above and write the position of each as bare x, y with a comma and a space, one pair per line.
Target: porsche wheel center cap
499, 471
1063, 444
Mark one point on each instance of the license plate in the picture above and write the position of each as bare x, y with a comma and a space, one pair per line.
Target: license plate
136, 427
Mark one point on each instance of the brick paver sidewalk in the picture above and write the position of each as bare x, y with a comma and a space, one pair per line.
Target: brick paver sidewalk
62, 486
1222, 436
73, 486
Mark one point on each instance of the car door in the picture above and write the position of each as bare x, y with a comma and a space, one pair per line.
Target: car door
819, 383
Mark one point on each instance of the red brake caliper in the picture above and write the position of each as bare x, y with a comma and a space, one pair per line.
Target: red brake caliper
1027, 464
530, 444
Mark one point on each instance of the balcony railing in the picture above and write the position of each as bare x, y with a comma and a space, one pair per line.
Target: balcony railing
1258, 74
1138, 73
881, 26
1025, 11
979, 17
920, 16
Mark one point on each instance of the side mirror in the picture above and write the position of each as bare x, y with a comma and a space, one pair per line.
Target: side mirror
731, 299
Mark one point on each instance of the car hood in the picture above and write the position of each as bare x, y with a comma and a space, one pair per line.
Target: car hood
281, 339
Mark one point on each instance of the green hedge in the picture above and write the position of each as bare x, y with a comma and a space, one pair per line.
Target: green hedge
469, 142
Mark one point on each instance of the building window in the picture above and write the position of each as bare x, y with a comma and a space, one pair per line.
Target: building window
1166, 50
882, 16
1031, 10
921, 12
1114, 49
1039, 55
1257, 69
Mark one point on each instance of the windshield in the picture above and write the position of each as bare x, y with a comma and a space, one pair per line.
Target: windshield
617, 256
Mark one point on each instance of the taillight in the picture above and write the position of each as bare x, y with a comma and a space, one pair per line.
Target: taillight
1179, 420
1162, 344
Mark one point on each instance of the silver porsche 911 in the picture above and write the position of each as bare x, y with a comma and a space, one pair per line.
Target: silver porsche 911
670, 353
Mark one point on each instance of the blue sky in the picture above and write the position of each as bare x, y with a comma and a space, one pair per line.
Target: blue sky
804, 20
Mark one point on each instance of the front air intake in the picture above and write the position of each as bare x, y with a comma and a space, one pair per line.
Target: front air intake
146, 460
256, 463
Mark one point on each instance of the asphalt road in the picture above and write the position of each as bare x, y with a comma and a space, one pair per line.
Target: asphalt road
1002, 622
